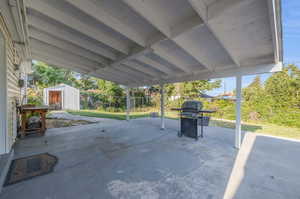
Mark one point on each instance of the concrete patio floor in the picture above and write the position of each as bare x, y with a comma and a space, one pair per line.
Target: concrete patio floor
132, 160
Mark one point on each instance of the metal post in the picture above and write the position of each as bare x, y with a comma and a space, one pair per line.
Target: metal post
238, 112
127, 104
3, 98
162, 106
25, 88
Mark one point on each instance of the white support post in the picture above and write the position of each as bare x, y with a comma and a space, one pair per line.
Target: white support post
127, 104
238, 128
162, 106
25, 88
3, 98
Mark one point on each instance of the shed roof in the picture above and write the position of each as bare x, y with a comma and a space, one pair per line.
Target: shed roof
61, 86
138, 42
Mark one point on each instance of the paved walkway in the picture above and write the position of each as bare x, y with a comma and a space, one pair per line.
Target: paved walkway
136, 160
67, 116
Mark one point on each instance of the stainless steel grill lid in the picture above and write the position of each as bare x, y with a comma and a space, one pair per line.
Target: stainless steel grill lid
192, 106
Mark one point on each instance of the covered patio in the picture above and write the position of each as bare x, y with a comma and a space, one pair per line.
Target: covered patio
140, 43
138, 160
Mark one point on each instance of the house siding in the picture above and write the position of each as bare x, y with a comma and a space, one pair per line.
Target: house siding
13, 90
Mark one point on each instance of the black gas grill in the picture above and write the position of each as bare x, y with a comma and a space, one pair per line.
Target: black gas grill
191, 115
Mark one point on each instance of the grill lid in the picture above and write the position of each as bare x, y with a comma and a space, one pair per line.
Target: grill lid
191, 106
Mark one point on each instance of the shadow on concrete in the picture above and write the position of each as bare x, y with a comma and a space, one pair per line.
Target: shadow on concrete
265, 167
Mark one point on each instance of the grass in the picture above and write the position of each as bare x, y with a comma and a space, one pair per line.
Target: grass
110, 115
270, 129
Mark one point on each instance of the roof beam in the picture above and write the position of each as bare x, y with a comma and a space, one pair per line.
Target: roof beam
171, 32
68, 37
143, 69
140, 69
154, 46
121, 74
201, 8
67, 46
120, 62
141, 73
63, 34
228, 72
53, 54
156, 65
41, 46
171, 58
137, 73
153, 17
139, 55
83, 63
40, 56
104, 16
64, 63
134, 55
186, 26
124, 72
76, 24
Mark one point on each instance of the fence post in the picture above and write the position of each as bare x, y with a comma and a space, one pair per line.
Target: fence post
238, 127
162, 106
127, 104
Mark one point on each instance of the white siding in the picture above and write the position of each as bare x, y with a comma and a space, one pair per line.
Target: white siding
12, 89
3, 99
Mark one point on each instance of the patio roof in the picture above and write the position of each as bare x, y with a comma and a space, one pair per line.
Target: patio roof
136, 42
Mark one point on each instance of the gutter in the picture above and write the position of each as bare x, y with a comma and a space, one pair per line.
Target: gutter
18, 11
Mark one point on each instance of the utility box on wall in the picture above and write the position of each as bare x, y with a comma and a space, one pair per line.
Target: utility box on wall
62, 97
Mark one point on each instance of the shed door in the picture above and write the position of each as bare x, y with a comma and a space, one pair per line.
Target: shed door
55, 99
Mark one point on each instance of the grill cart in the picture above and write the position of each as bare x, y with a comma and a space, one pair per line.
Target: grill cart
191, 115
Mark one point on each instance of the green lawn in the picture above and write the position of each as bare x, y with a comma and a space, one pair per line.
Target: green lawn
270, 129
110, 115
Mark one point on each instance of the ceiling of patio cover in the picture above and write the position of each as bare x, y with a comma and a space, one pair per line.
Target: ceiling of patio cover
145, 42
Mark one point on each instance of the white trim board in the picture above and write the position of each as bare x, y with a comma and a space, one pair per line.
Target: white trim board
229, 72
3, 97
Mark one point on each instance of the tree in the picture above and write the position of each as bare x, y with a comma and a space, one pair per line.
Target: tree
86, 82
192, 89
45, 75
254, 106
284, 87
254, 90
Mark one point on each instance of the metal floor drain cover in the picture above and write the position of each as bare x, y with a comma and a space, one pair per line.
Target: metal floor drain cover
29, 167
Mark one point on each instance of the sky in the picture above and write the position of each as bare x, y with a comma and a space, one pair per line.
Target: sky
291, 44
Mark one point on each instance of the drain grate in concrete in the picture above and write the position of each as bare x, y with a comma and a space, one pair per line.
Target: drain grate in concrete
29, 167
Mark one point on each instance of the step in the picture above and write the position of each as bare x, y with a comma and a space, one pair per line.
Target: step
5, 161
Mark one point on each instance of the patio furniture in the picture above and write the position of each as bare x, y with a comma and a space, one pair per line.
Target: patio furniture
191, 115
27, 110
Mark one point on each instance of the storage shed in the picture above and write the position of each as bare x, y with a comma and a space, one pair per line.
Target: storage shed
62, 96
